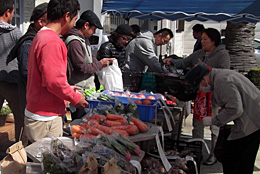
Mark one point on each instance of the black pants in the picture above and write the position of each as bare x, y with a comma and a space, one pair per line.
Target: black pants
239, 155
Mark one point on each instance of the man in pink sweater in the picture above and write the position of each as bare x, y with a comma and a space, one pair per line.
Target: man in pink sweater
47, 86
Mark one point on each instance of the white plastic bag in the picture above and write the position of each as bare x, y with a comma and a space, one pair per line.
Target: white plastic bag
111, 77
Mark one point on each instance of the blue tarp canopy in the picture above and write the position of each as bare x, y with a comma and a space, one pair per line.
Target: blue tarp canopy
202, 10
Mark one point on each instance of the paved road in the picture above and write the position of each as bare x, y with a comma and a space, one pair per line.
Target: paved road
216, 168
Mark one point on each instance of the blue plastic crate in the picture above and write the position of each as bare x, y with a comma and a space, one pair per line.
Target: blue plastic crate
125, 99
146, 112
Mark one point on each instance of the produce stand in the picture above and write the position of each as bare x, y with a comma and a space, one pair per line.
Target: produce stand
34, 150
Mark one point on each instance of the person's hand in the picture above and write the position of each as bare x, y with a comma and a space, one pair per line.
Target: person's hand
82, 103
106, 61
167, 61
207, 121
75, 88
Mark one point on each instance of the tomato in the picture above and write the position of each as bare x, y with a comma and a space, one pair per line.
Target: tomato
141, 96
147, 102
133, 95
117, 94
139, 102
151, 97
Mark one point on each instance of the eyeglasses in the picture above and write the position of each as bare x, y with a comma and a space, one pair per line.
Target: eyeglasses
126, 39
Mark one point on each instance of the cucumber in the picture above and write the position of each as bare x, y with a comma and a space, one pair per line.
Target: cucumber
119, 147
131, 146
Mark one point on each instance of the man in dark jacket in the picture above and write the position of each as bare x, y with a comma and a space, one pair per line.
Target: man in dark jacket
115, 47
21, 49
197, 33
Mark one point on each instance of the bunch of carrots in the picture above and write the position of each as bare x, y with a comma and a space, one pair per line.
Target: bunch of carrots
111, 123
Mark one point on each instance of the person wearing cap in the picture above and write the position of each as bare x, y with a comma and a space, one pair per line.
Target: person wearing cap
115, 47
83, 63
9, 35
141, 54
215, 55
21, 49
239, 100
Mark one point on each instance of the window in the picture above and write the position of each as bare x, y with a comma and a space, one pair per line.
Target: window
18, 13
257, 44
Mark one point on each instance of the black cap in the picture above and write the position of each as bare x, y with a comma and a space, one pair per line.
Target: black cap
195, 75
124, 29
91, 17
39, 11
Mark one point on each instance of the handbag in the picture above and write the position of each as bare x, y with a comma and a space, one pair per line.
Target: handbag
224, 132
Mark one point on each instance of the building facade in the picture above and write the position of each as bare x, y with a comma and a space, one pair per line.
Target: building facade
181, 44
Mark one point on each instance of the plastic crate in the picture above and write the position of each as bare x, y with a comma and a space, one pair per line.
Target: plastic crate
125, 99
195, 147
146, 112
94, 103
176, 86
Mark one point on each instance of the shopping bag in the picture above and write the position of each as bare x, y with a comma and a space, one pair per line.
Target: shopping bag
15, 161
111, 77
90, 167
224, 132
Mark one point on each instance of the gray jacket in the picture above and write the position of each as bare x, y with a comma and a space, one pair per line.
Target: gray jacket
140, 55
239, 99
9, 35
219, 58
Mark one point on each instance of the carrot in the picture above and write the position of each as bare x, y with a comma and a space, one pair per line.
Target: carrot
84, 125
121, 132
93, 123
112, 123
132, 129
119, 127
94, 131
86, 136
123, 120
99, 118
140, 125
105, 129
114, 117
76, 135
76, 129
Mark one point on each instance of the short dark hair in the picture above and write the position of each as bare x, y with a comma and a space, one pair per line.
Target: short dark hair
58, 8
5, 5
198, 28
165, 32
80, 23
213, 34
135, 28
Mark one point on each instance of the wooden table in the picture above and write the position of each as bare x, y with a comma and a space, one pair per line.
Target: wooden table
34, 149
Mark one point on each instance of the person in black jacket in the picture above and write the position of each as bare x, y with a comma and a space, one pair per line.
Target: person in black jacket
21, 51
197, 33
115, 47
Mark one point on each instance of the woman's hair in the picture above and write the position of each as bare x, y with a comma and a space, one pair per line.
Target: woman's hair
213, 34
5, 5
58, 8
